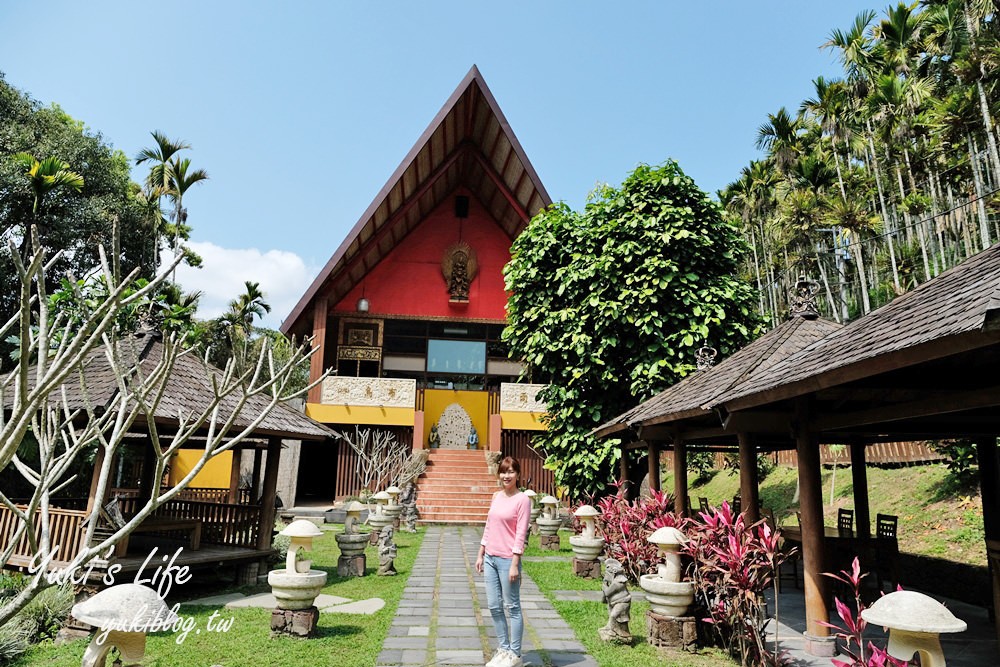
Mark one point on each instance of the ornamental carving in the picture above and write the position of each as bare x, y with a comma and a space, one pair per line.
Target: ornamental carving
374, 392
454, 428
359, 353
803, 299
521, 397
459, 266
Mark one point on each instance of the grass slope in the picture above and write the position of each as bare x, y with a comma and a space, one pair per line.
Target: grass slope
935, 518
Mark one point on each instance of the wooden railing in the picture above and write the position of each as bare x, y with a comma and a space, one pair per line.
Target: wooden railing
64, 531
222, 523
518, 445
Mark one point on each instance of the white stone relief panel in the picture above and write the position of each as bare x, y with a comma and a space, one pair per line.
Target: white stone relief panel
375, 392
521, 397
454, 427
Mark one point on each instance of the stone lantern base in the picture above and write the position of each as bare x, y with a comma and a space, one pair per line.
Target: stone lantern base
679, 632
351, 566
297, 622
588, 569
549, 542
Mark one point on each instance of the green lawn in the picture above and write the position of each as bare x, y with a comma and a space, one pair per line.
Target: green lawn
354, 639
586, 617
934, 519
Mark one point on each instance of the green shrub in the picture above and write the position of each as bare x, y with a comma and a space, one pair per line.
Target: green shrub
281, 542
702, 464
47, 612
15, 636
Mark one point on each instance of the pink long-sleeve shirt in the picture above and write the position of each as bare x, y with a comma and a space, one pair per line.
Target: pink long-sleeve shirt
507, 524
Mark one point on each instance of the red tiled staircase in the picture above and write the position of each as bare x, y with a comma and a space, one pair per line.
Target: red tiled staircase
456, 487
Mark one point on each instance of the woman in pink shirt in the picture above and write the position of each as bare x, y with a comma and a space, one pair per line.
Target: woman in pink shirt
500, 559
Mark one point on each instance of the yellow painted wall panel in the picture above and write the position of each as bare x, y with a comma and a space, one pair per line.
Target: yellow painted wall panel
475, 403
522, 421
360, 414
215, 474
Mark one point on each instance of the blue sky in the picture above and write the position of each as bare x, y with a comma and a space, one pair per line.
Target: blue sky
301, 111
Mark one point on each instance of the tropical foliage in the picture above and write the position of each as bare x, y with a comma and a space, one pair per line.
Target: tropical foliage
886, 176
610, 304
626, 524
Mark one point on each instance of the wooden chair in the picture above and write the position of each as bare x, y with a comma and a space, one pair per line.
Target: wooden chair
703, 504
886, 550
845, 522
737, 505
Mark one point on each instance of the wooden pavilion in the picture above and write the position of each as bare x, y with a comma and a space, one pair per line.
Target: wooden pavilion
232, 526
925, 366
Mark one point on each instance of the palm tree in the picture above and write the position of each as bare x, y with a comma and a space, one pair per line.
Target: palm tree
158, 179
44, 177
248, 306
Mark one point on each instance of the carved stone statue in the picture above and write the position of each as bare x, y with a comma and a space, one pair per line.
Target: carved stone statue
614, 593
386, 552
408, 499
459, 266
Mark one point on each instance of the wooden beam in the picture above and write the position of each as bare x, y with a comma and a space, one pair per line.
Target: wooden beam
811, 509
269, 493
501, 185
926, 407
753, 421
680, 478
653, 463
317, 360
859, 478
749, 480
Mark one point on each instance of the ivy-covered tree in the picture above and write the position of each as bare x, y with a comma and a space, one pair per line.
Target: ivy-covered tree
609, 305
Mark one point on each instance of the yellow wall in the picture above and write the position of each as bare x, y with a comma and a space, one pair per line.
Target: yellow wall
522, 421
476, 403
360, 414
215, 475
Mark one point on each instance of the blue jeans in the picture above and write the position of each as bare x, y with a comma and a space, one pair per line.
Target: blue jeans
501, 594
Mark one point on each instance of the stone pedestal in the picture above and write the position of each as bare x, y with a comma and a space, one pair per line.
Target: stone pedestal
588, 569
821, 647
550, 542
671, 632
297, 622
351, 566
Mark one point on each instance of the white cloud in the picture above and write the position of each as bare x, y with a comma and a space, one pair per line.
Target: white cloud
283, 278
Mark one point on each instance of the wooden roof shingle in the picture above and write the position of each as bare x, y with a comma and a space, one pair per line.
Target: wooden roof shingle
698, 393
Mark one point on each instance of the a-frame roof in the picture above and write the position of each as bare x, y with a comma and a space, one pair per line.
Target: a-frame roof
697, 394
469, 143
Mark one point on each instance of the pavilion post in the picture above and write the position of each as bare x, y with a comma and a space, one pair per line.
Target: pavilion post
859, 477
148, 474
255, 476
269, 493
319, 341
818, 639
749, 482
680, 477
653, 460
234, 477
989, 481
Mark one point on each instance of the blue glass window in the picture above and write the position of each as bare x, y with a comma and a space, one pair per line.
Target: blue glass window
456, 356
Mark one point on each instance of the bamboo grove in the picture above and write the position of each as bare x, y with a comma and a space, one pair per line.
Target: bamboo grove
887, 175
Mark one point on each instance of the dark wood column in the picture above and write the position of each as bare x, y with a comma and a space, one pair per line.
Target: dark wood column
653, 462
818, 639
316, 366
148, 478
680, 477
749, 482
255, 476
859, 477
989, 484
269, 493
234, 476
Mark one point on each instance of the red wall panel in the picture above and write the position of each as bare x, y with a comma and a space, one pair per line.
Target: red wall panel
409, 280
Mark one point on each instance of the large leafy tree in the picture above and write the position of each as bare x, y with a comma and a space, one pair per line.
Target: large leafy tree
608, 305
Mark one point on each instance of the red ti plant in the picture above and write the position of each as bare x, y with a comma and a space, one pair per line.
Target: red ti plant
853, 629
732, 565
626, 525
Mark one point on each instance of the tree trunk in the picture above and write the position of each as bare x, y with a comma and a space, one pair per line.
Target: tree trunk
885, 212
984, 229
909, 226
862, 277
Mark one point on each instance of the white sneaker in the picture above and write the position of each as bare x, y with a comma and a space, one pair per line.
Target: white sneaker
497, 659
512, 661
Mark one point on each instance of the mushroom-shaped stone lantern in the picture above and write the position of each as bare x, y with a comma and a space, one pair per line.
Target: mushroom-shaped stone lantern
137, 608
587, 545
296, 586
549, 522
666, 593
351, 561
380, 518
914, 620
393, 508
535, 509
301, 534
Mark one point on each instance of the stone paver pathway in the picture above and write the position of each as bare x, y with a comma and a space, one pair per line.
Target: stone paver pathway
442, 617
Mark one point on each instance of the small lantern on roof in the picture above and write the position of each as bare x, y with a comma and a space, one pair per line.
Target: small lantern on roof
915, 622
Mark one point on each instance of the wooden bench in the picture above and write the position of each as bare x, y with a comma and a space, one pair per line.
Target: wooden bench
158, 524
